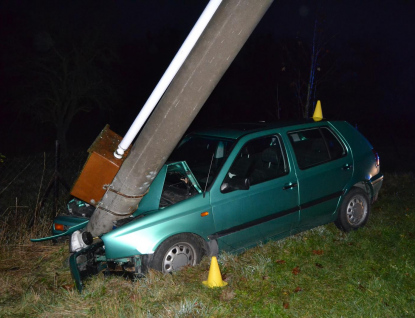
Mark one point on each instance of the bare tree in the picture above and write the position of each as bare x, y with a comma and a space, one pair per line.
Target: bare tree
296, 72
302, 63
67, 78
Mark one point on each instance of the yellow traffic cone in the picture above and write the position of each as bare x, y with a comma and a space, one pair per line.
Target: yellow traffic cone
318, 113
215, 277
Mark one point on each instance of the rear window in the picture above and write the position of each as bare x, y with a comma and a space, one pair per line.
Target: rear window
315, 146
335, 147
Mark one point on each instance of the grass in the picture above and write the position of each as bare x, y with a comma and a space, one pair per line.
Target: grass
319, 273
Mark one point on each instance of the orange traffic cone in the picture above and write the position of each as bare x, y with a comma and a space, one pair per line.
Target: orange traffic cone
318, 113
215, 277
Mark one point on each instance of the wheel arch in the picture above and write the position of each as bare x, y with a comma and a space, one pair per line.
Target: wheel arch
340, 213
208, 247
365, 186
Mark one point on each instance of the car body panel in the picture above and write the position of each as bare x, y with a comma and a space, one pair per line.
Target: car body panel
365, 167
243, 218
143, 235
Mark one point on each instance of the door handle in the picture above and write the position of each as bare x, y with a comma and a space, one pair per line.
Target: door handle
289, 185
347, 166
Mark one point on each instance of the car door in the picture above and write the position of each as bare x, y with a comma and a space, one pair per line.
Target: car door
268, 208
324, 166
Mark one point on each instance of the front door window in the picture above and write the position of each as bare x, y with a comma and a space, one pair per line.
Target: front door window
259, 160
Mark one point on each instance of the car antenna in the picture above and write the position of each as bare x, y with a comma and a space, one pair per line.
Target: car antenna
207, 179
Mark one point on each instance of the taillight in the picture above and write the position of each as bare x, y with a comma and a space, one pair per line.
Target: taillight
376, 158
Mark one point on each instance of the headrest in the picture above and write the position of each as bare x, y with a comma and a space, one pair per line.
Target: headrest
270, 155
220, 150
245, 152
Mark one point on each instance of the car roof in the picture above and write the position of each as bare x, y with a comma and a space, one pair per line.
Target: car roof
237, 130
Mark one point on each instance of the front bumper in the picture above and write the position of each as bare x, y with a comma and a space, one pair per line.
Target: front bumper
86, 262
92, 260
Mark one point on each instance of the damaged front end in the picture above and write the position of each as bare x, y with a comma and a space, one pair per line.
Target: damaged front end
87, 262
92, 261
128, 248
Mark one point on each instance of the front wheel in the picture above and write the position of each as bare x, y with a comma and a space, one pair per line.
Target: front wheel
354, 211
177, 251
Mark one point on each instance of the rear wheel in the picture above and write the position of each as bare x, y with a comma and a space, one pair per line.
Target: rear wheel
177, 251
354, 211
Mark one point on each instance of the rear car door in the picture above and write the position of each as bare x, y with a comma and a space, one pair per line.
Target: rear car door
268, 208
324, 166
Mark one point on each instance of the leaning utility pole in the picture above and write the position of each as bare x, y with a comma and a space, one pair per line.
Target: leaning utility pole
220, 42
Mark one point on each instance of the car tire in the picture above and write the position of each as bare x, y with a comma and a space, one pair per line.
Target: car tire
177, 251
354, 210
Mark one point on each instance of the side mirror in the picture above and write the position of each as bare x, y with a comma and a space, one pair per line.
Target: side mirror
236, 183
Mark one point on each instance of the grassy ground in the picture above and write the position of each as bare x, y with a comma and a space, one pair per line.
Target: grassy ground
318, 273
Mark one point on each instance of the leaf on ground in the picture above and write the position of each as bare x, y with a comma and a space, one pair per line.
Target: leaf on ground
298, 289
286, 305
319, 265
296, 270
68, 287
280, 261
318, 252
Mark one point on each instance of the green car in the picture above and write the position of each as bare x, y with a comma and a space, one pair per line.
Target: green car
232, 188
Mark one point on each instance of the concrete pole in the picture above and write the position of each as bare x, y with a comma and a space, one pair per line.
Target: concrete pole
167, 77
221, 41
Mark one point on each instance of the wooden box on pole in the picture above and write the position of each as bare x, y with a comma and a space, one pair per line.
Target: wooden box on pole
99, 169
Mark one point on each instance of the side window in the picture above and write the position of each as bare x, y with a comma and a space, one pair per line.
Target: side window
336, 149
315, 146
259, 160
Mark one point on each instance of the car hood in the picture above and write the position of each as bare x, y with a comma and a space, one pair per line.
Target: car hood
150, 201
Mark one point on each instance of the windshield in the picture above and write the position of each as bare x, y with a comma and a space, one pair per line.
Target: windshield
202, 152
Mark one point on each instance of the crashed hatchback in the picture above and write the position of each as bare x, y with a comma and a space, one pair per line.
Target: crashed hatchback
232, 188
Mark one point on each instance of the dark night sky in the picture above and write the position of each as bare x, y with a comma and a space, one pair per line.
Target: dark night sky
369, 45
